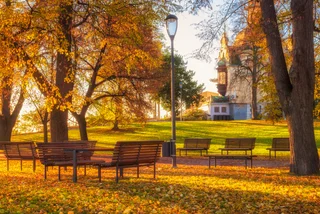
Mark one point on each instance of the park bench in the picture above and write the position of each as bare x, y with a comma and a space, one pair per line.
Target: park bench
60, 154
279, 144
239, 144
195, 144
133, 154
19, 151
240, 157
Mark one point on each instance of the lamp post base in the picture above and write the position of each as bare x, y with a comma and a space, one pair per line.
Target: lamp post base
173, 153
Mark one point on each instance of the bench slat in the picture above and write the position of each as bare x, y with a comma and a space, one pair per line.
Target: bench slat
194, 144
239, 144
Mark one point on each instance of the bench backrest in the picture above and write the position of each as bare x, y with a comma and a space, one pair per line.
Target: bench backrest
240, 143
53, 152
203, 143
91, 142
136, 152
280, 143
17, 150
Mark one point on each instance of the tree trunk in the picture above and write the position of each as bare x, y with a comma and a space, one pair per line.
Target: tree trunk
115, 126
254, 86
5, 129
59, 126
8, 119
45, 127
81, 119
254, 106
59, 118
295, 89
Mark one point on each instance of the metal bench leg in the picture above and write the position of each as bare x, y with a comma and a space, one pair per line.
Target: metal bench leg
117, 170
99, 173
269, 154
85, 170
21, 165
34, 165
209, 163
59, 177
138, 171
45, 172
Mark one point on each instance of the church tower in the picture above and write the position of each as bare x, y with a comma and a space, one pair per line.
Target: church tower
222, 65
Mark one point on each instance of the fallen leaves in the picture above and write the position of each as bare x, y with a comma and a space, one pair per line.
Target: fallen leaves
187, 189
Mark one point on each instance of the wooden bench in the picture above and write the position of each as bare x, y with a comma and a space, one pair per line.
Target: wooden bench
133, 154
239, 144
19, 151
279, 144
195, 144
56, 154
240, 157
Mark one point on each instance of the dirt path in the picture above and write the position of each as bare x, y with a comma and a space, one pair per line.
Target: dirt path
202, 161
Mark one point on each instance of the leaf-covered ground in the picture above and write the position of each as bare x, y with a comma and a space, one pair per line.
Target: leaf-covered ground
186, 189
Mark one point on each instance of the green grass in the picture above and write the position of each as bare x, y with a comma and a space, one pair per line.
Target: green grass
216, 130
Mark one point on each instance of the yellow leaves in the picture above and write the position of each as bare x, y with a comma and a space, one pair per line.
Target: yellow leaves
187, 189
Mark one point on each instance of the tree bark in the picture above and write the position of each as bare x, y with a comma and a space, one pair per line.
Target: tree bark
81, 119
295, 88
45, 127
8, 119
59, 117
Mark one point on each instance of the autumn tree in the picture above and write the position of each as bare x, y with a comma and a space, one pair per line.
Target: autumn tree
117, 61
250, 47
13, 70
58, 38
294, 85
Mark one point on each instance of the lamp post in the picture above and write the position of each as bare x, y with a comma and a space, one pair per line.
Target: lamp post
180, 85
172, 25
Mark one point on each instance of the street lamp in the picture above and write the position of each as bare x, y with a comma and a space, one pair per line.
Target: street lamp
180, 85
172, 25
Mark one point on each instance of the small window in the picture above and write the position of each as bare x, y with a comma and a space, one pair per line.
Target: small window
224, 109
216, 109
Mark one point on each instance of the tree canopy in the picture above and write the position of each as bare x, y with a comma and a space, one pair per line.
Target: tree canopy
190, 90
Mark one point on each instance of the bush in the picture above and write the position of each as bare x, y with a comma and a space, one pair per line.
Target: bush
195, 114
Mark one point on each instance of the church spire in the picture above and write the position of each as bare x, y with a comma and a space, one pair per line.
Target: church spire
224, 50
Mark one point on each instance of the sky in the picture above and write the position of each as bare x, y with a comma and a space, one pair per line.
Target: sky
186, 41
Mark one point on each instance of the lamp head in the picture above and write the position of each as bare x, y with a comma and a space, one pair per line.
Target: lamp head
172, 25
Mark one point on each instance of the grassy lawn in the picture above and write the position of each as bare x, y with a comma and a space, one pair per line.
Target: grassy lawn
217, 130
187, 189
